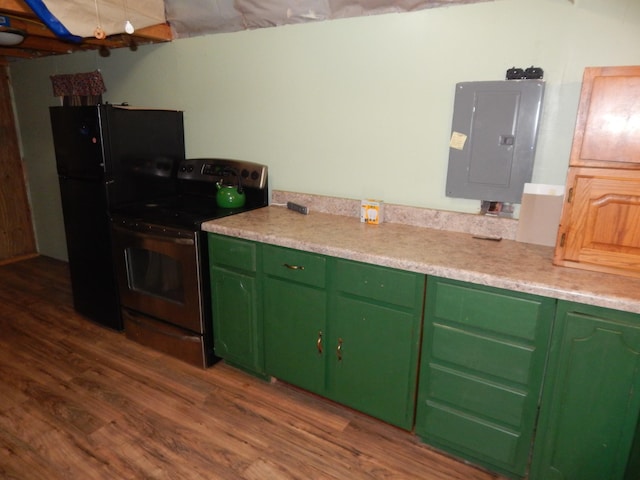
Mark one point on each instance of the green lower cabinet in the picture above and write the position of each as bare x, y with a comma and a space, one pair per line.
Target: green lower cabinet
235, 300
633, 466
351, 332
236, 339
295, 315
589, 412
344, 330
374, 329
481, 372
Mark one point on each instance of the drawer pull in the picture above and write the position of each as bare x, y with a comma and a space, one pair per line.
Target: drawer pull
319, 342
339, 350
294, 267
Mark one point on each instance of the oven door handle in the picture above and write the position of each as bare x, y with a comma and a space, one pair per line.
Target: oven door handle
174, 236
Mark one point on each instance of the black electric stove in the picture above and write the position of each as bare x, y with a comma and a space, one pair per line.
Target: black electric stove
192, 198
160, 254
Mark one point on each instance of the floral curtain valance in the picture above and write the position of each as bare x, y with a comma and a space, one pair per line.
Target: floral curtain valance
78, 84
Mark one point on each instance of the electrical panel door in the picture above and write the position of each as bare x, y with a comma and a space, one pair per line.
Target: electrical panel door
493, 138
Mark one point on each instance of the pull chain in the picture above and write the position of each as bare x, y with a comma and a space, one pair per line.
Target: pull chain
99, 33
128, 26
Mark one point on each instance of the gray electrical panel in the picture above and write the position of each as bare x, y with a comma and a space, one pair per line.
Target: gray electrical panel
493, 139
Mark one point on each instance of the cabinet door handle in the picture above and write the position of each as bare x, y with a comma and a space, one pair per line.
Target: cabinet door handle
319, 342
339, 350
294, 267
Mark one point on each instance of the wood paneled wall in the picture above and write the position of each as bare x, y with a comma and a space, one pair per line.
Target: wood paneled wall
16, 229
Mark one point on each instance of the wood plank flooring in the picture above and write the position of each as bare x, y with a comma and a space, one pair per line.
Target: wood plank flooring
78, 401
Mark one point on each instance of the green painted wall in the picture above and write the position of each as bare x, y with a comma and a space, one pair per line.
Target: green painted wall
354, 108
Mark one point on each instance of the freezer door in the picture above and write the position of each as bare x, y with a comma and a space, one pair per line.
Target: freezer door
143, 149
77, 141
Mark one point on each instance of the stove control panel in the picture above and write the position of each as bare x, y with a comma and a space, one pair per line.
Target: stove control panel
215, 169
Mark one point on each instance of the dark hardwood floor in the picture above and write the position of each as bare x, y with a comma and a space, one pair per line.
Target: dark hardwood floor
78, 401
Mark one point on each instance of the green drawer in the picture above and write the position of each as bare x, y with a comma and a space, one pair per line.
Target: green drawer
483, 359
378, 283
468, 433
483, 354
232, 252
476, 395
482, 307
295, 265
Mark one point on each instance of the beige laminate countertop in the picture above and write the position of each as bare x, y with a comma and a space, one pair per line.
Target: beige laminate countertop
505, 264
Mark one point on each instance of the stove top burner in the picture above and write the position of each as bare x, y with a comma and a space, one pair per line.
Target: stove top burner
194, 200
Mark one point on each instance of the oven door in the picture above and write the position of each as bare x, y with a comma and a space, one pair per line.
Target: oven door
158, 272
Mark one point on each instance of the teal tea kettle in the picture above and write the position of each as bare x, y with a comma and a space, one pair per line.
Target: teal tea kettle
230, 196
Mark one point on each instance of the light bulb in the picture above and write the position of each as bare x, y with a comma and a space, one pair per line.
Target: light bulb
128, 27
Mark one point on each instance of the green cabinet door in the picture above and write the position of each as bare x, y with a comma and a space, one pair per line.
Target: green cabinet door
374, 335
590, 407
235, 319
235, 301
372, 360
633, 466
482, 366
295, 314
344, 330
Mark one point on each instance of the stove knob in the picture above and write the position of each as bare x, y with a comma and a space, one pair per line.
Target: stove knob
244, 173
254, 175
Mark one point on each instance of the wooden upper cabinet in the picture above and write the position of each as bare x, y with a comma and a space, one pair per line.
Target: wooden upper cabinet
608, 125
600, 224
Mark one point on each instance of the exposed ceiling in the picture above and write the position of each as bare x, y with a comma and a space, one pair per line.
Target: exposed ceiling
40, 41
170, 19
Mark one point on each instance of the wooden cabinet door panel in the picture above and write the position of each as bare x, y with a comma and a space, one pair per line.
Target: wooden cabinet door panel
600, 226
16, 231
608, 124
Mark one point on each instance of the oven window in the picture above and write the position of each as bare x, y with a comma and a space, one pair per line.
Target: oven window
155, 274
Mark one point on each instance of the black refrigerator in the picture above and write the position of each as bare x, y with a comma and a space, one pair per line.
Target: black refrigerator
99, 153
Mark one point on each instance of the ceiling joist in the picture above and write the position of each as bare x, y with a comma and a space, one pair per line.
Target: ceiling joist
165, 20
40, 41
